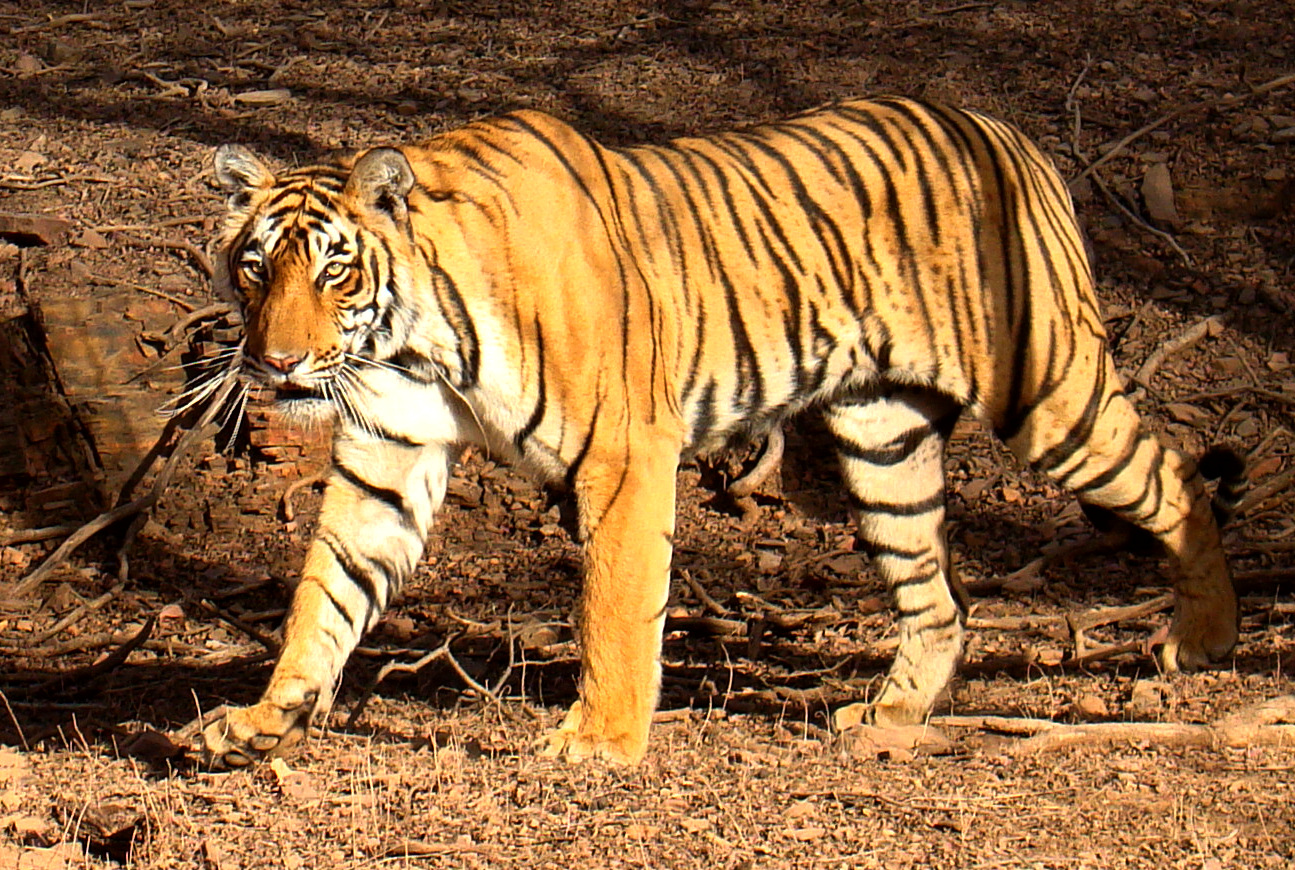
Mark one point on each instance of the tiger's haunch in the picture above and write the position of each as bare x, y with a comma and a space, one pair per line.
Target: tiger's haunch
598, 314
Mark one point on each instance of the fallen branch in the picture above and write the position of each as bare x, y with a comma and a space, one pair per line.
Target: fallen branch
285, 501
270, 643
441, 652
198, 255
111, 661
32, 536
702, 595
1021, 579
1129, 213
1267, 723
1082, 622
1185, 340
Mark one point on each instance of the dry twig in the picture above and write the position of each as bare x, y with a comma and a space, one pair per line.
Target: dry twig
78, 614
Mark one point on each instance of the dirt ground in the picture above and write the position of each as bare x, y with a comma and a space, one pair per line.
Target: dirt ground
108, 116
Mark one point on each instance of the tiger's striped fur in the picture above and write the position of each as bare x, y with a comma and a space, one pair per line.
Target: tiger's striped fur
596, 314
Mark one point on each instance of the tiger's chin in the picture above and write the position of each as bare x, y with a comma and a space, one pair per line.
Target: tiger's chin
302, 407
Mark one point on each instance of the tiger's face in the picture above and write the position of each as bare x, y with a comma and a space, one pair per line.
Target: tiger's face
308, 257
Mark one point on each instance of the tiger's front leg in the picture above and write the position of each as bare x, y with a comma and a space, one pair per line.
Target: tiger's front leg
627, 509
377, 510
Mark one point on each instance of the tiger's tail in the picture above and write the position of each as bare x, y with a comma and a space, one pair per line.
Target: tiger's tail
1220, 463
1227, 466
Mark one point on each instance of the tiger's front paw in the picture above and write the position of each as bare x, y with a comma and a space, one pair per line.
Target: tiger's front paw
575, 741
248, 734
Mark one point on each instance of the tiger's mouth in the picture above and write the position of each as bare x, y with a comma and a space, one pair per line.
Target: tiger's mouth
288, 393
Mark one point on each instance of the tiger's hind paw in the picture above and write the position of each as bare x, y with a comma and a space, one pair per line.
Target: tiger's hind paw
1200, 636
248, 734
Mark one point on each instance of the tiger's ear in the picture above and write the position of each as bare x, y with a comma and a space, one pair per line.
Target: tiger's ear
381, 180
239, 172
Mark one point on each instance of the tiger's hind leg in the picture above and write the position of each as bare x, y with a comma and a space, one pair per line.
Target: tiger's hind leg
1088, 437
891, 451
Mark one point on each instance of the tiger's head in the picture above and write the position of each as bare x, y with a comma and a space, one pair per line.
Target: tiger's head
313, 257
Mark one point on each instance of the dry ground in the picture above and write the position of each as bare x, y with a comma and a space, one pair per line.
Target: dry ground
108, 113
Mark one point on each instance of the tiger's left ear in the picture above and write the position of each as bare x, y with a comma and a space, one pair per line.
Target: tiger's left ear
381, 180
239, 172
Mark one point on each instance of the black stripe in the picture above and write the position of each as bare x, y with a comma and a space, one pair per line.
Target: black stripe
390, 497
541, 400
879, 549
892, 453
367, 583
911, 509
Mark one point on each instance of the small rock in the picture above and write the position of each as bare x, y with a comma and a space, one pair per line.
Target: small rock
27, 64
1091, 707
88, 238
1147, 697
34, 229
897, 744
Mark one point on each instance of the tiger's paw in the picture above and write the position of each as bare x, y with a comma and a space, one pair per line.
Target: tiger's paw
892, 710
1203, 633
248, 734
1205, 647
575, 742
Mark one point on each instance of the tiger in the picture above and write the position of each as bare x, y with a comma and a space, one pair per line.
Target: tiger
598, 315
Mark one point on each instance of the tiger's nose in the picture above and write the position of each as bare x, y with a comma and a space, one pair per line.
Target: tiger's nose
282, 362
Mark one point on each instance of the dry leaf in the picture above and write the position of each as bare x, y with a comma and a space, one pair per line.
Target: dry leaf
28, 160
26, 64
695, 825
1158, 193
213, 857
13, 765
294, 784
800, 810
806, 834
26, 827
271, 97
60, 857
1181, 412
152, 745
642, 832
1147, 696
88, 238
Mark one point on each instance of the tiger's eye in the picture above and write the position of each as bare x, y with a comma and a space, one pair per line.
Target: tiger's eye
254, 270
335, 269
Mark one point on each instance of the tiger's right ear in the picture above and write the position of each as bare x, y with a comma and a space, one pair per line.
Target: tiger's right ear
239, 172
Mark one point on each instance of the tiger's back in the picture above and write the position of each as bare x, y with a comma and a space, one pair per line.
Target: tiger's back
772, 269
599, 313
